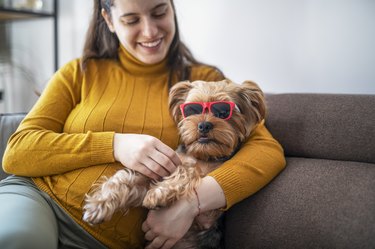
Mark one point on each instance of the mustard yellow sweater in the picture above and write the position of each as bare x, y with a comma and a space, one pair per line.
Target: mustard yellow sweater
66, 141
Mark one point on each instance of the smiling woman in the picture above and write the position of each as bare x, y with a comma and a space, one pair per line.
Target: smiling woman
145, 30
107, 111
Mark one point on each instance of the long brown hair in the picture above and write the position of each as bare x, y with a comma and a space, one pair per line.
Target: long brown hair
102, 43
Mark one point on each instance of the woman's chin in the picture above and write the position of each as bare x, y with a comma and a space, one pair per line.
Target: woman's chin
151, 57
151, 61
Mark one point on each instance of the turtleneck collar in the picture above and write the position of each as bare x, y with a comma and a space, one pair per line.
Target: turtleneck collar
137, 67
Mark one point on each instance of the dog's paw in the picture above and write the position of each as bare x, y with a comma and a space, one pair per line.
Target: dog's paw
98, 209
155, 198
96, 212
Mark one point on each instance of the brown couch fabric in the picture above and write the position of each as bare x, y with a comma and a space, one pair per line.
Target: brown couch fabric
313, 203
325, 198
329, 126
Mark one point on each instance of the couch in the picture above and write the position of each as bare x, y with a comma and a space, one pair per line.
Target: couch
325, 198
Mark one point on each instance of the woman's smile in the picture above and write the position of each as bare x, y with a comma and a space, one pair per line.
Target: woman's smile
151, 44
145, 28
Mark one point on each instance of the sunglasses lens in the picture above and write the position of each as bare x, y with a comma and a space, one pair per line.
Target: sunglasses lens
221, 110
192, 109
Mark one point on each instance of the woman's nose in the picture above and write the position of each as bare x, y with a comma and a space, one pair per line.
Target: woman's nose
149, 28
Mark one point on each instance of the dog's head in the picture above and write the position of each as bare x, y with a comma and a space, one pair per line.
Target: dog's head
213, 118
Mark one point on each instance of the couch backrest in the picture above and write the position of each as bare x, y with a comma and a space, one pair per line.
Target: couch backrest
8, 125
326, 126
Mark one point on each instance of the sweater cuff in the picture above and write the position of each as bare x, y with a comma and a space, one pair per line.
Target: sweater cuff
102, 147
230, 183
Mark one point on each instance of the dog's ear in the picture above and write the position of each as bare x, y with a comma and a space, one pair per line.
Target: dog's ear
250, 94
177, 96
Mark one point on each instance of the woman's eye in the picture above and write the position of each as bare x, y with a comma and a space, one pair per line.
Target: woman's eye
131, 21
159, 14
160, 11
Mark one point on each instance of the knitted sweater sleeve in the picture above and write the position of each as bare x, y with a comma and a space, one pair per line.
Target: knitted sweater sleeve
39, 147
258, 161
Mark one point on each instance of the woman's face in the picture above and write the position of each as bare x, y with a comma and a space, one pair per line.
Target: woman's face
144, 27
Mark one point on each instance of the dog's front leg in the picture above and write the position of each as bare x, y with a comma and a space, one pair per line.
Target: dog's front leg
123, 190
180, 183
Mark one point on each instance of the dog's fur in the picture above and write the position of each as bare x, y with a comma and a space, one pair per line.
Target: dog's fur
128, 189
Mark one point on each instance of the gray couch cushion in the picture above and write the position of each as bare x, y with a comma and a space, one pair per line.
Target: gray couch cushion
338, 127
8, 125
313, 203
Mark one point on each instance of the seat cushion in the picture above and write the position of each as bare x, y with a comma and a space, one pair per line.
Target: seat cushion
313, 203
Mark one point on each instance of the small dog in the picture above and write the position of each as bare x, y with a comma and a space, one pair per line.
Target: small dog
214, 119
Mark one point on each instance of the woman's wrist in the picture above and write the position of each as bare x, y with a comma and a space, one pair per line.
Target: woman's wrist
189, 205
198, 202
209, 195
116, 145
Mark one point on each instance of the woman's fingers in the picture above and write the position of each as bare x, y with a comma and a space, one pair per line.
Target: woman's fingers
145, 154
168, 224
157, 168
157, 243
144, 170
149, 235
164, 161
168, 152
168, 244
145, 227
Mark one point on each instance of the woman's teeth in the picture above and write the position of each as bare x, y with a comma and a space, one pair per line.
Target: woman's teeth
151, 44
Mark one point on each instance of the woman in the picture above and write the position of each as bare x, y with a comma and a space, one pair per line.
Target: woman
106, 111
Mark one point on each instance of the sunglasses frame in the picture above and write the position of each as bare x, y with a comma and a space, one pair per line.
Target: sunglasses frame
207, 106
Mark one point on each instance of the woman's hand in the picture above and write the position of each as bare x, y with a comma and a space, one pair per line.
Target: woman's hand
164, 227
145, 154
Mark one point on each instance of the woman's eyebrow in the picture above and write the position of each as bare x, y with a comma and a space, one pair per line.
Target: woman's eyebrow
128, 14
154, 8
159, 6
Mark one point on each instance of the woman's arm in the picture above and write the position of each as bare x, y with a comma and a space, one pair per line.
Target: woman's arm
258, 161
46, 144
40, 147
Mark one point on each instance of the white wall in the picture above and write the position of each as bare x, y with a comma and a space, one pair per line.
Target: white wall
323, 46
33, 52
286, 46
32, 62
74, 20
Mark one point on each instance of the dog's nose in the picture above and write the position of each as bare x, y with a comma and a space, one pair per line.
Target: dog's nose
205, 126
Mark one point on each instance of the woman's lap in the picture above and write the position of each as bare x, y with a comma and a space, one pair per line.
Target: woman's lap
29, 218
27, 221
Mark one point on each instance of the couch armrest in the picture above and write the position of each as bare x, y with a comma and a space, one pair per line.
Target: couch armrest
8, 125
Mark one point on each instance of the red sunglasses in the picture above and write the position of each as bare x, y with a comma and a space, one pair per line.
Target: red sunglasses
220, 109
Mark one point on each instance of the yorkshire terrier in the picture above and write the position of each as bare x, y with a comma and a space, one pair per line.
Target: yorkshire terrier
214, 119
